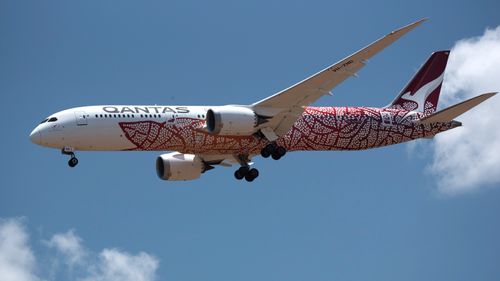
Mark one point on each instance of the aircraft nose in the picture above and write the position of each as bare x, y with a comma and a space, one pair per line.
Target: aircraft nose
36, 136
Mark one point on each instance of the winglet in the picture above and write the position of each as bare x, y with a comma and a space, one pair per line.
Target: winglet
387, 40
409, 27
450, 113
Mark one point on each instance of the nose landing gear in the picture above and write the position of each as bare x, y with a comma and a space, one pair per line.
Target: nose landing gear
73, 161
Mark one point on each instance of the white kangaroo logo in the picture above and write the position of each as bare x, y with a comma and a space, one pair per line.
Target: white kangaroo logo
421, 95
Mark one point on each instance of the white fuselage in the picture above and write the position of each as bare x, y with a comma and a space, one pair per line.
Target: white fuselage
183, 129
97, 127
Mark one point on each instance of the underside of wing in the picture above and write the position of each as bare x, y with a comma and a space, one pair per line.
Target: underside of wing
225, 160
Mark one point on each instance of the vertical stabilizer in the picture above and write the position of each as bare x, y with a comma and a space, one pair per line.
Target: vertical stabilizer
422, 92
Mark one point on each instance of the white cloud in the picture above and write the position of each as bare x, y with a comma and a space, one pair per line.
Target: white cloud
68, 244
18, 263
121, 266
468, 158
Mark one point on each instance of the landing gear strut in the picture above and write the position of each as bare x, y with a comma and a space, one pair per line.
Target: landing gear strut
73, 161
245, 171
273, 150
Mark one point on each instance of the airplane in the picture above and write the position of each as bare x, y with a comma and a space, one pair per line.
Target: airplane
202, 137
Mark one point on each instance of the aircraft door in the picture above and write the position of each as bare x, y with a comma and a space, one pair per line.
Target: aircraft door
386, 118
81, 118
170, 118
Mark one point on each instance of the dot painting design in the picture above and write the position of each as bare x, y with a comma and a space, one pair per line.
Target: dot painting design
318, 128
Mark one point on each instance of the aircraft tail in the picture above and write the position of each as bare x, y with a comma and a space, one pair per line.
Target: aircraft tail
422, 92
450, 113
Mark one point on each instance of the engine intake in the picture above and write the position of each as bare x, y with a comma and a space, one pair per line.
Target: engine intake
178, 166
231, 121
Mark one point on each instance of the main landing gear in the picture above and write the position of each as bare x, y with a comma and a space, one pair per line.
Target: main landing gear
245, 171
250, 174
73, 161
273, 150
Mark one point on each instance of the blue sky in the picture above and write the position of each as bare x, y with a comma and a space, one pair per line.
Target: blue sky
311, 216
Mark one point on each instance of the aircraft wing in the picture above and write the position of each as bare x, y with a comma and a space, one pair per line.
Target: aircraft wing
285, 107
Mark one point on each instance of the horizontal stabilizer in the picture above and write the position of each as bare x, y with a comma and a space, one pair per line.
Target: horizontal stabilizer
450, 113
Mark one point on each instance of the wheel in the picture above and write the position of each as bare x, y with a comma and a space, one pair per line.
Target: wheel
281, 151
241, 173
276, 156
72, 162
238, 175
243, 170
271, 147
249, 178
265, 152
251, 175
254, 173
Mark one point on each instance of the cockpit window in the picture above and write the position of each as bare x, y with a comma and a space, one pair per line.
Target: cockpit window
52, 119
44, 121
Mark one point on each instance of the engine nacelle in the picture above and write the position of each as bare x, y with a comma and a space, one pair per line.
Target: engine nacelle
231, 121
178, 166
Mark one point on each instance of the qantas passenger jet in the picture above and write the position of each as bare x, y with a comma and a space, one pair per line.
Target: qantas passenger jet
204, 136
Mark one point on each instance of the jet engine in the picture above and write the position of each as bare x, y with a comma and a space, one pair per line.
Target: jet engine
178, 166
231, 121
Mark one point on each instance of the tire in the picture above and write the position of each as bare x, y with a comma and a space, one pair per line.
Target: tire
249, 178
265, 152
241, 173
271, 148
243, 170
254, 173
281, 151
276, 156
238, 175
73, 162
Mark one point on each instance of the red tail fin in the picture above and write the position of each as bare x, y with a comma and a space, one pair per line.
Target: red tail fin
422, 92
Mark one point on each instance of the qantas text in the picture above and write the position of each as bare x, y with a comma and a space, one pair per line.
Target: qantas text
145, 109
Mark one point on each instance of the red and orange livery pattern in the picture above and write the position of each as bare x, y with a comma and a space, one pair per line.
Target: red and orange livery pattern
319, 128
